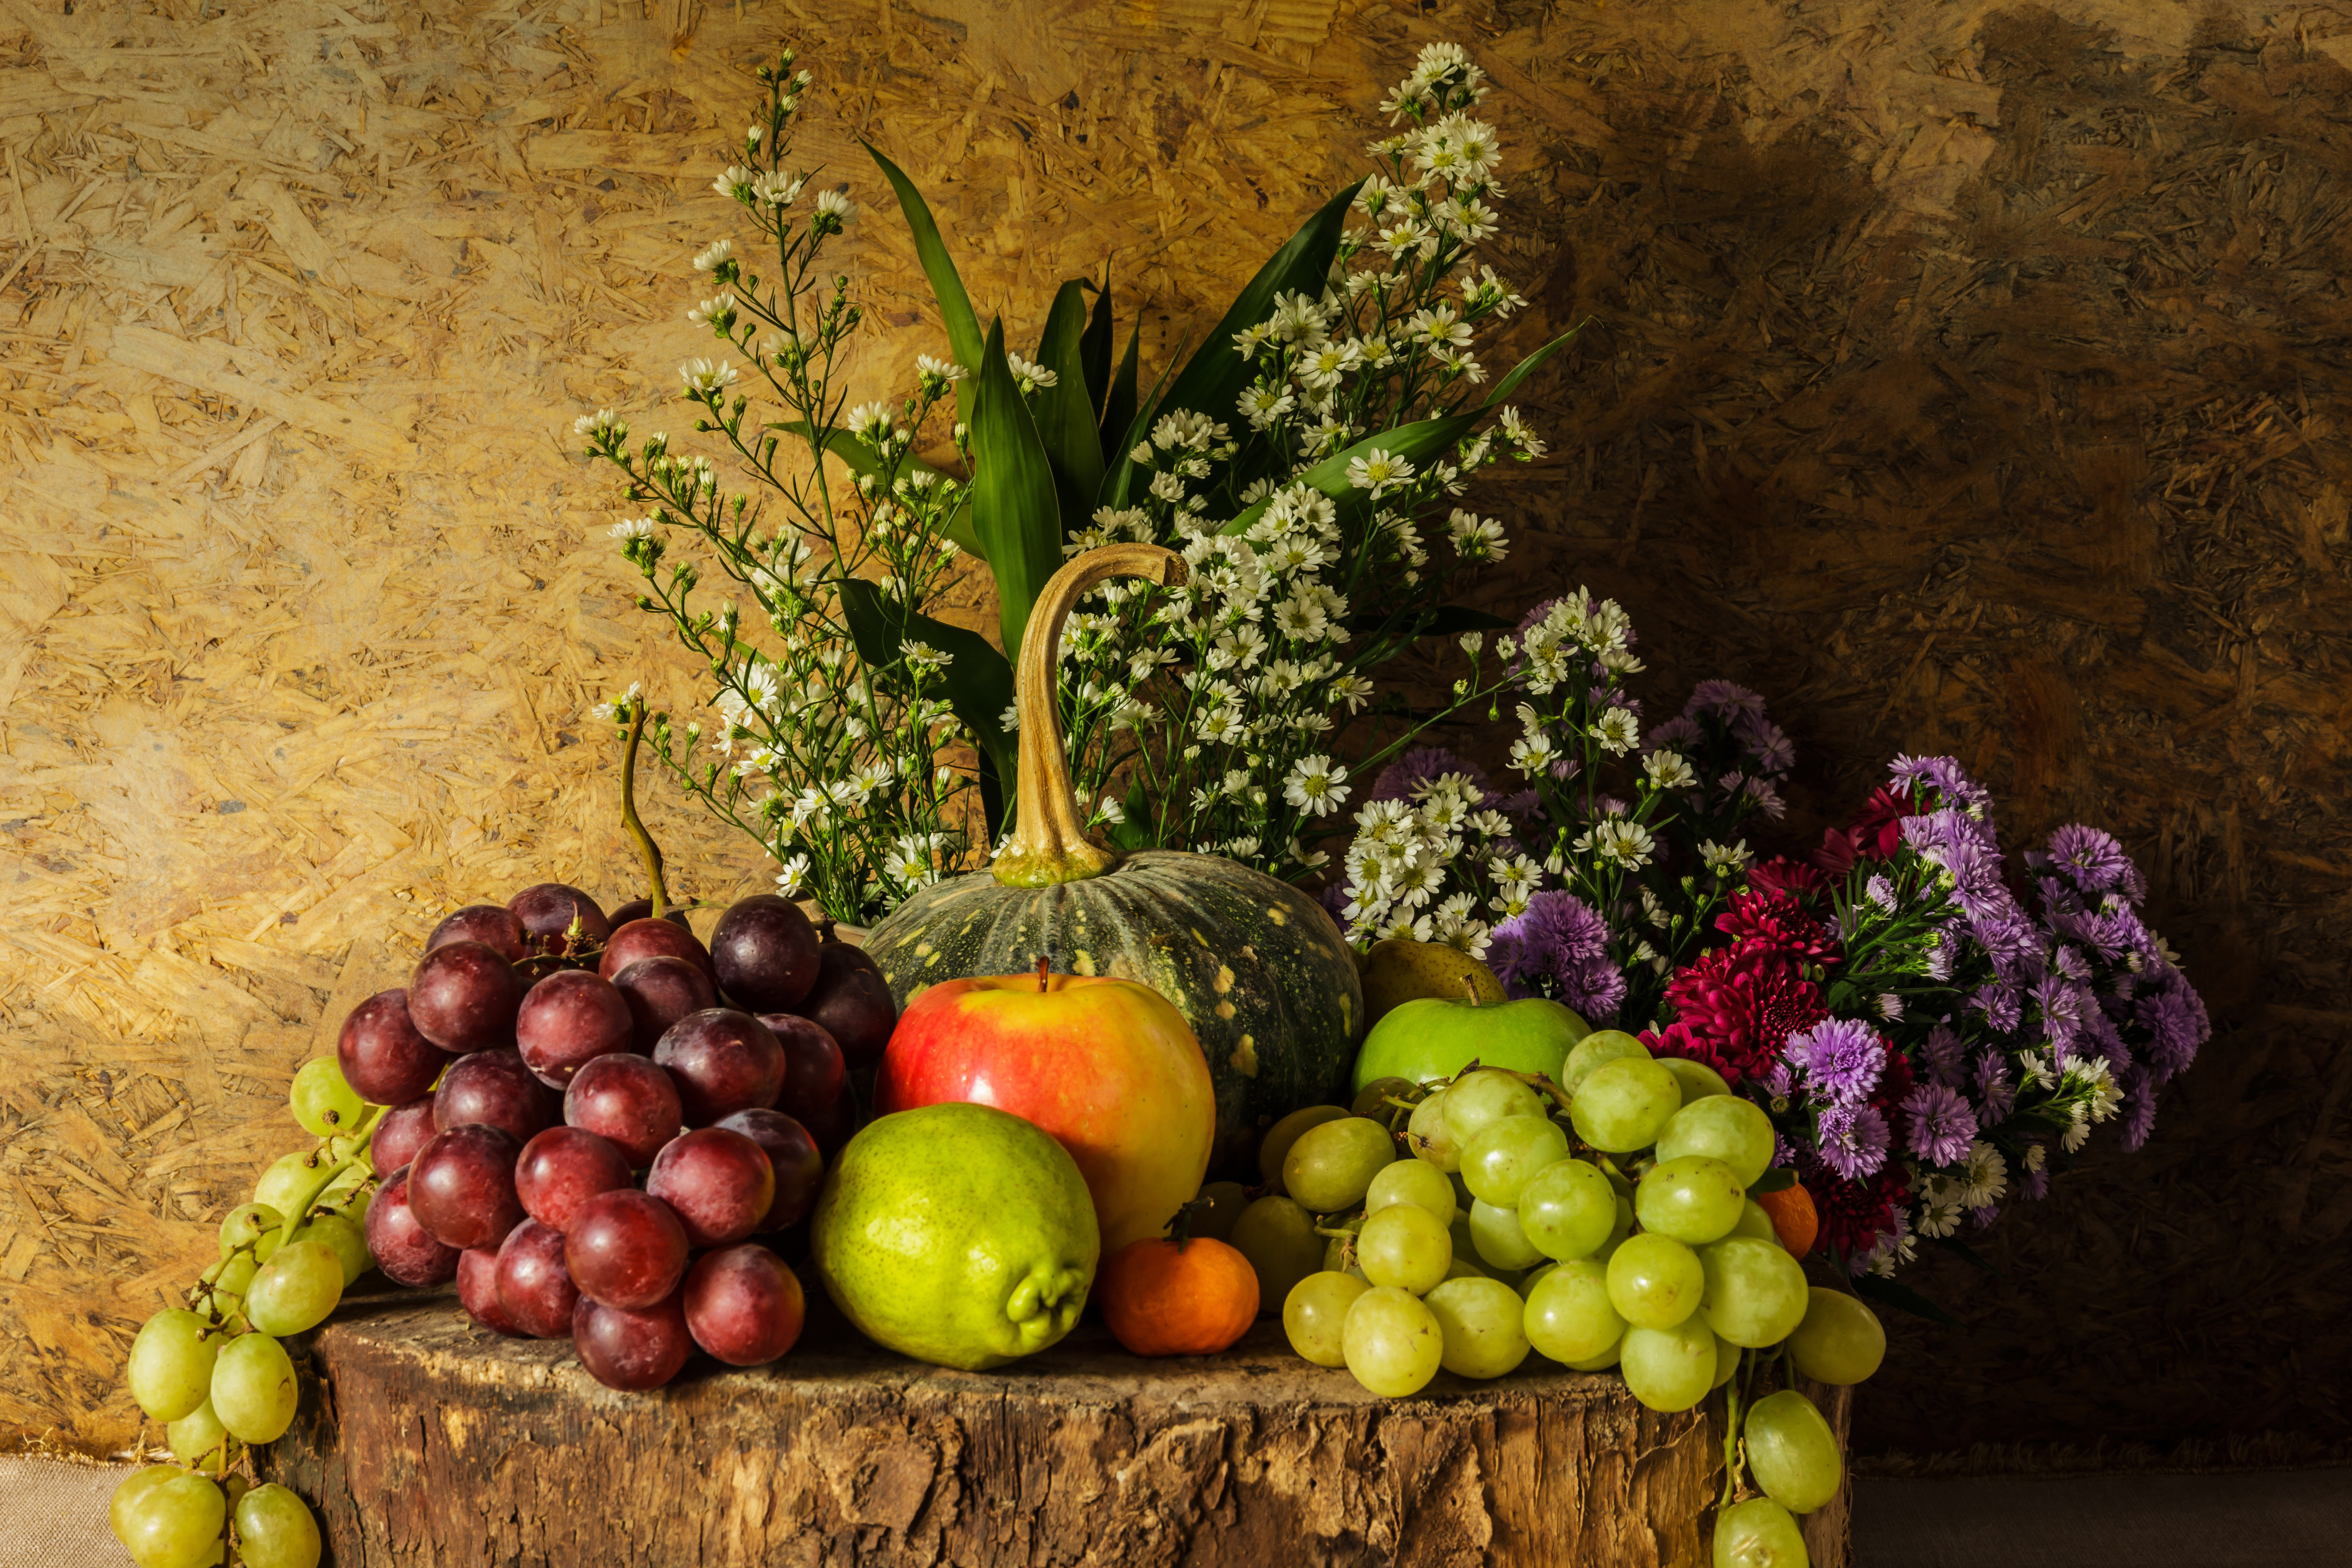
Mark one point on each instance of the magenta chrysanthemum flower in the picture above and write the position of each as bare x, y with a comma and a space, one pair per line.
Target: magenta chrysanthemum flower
1747, 1003
1774, 921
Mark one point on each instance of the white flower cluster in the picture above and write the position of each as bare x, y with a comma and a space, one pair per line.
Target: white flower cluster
1415, 867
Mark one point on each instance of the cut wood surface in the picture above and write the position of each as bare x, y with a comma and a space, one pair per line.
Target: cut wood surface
425, 1440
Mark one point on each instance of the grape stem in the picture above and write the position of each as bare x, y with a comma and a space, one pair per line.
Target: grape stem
360, 1143
655, 892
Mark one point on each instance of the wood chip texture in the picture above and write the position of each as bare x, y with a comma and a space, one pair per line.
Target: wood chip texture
1967, 377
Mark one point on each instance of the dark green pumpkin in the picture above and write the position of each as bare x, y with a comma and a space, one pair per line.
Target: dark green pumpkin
1256, 967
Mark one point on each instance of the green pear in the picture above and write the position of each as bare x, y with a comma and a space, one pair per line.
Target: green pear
1397, 969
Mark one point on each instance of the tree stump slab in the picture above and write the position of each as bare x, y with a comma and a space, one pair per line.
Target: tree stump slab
424, 1439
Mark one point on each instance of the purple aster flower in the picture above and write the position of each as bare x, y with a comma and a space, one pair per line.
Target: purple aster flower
1945, 775
2092, 859
1941, 1124
1996, 1089
2036, 1183
2066, 960
1722, 700
1524, 803
1776, 1080
1946, 1057
1784, 1154
2013, 945
1559, 946
2174, 1017
1880, 891
1982, 1218
1766, 743
1419, 766
1852, 1139
1841, 1058
1999, 1005
1676, 735
1767, 798
2062, 1004
2139, 1108
2113, 933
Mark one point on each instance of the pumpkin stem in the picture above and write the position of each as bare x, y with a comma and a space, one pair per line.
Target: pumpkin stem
1048, 844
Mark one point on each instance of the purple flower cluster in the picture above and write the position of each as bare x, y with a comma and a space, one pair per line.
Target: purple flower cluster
1558, 947
1739, 756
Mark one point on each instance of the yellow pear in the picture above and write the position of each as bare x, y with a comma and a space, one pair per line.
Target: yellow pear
1397, 970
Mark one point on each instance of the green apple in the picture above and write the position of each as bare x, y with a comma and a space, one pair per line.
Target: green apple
1430, 1038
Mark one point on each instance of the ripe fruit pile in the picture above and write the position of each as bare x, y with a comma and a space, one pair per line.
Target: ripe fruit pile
561, 1112
1607, 1218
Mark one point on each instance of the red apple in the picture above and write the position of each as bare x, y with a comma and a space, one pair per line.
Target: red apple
1107, 1067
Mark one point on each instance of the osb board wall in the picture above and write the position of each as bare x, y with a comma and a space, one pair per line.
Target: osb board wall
1966, 377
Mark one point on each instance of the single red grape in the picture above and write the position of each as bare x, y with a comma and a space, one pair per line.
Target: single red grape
643, 909
814, 1071
798, 1168
496, 1089
628, 1099
659, 992
462, 1185
463, 998
492, 925
563, 1168
404, 1249
625, 1248
743, 1306
833, 1127
852, 1002
548, 914
383, 1056
400, 1132
718, 1182
477, 1289
534, 1285
570, 1017
764, 951
724, 1061
654, 939
633, 1349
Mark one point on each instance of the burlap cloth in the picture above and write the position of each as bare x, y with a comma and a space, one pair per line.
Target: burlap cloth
53, 1514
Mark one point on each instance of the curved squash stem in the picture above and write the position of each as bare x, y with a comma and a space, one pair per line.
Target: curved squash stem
645, 845
1048, 844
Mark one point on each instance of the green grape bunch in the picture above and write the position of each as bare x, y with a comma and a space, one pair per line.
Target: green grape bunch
214, 1371
1605, 1219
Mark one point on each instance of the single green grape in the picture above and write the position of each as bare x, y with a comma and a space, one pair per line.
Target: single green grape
345, 1238
1655, 1281
254, 1391
1495, 1236
287, 1186
1840, 1341
1726, 1362
1692, 1198
171, 1368
257, 1226
1392, 1342
1792, 1451
1404, 1246
1755, 1223
128, 1490
1414, 1182
1722, 1127
1758, 1533
198, 1437
1570, 1317
323, 1104
1279, 1240
1274, 1147
1698, 1081
1372, 1100
1428, 1137
1330, 1166
1314, 1316
1599, 1047
175, 1522
1755, 1292
1481, 1327
1487, 1095
1621, 1106
275, 1530
1669, 1369
1601, 1360
295, 1288
1568, 1209
1506, 1154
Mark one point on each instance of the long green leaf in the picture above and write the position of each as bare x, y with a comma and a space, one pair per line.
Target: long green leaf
1520, 372
1417, 443
1093, 348
1213, 379
861, 461
979, 681
1014, 509
947, 285
1119, 471
1065, 420
1119, 402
